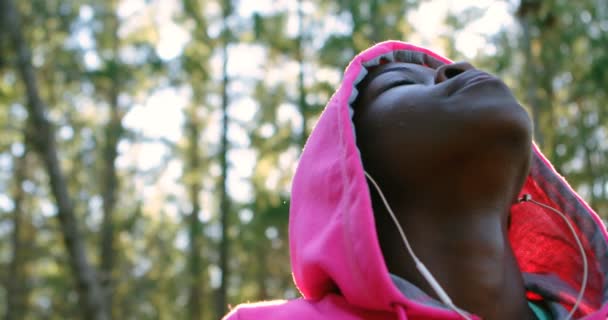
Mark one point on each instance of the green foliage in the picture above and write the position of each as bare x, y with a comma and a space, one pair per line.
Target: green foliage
99, 65
555, 65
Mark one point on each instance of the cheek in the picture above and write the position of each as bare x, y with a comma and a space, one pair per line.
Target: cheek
404, 118
402, 124
411, 123
393, 108
387, 141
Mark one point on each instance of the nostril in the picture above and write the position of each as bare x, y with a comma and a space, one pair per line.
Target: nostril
452, 72
449, 71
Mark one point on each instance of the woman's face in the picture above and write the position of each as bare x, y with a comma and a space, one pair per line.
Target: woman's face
409, 116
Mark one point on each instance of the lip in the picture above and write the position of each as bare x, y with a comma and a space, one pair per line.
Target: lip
477, 79
469, 79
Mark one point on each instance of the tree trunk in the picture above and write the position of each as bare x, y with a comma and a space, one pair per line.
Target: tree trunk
89, 291
224, 202
113, 134
196, 285
262, 269
530, 73
196, 306
354, 10
194, 187
16, 300
301, 88
376, 22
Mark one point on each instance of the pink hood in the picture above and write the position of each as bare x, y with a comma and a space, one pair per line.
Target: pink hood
336, 259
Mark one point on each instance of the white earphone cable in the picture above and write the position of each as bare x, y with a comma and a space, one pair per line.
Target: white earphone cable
528, 198
443, 296
426, 273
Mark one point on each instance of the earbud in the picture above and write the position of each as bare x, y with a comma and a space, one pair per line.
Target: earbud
524, 198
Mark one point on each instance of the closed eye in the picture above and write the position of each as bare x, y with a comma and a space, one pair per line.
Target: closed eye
402, 82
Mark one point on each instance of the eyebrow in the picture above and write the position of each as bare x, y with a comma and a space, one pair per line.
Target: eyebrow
394, 68
390, 69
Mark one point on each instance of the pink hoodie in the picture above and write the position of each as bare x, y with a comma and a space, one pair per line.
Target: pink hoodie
335, 255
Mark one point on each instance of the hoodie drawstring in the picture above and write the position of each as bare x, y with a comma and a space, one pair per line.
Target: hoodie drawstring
400, 312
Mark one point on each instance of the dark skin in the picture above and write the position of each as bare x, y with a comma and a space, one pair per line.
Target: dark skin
450, 148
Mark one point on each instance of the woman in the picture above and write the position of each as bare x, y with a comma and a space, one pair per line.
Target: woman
420, 195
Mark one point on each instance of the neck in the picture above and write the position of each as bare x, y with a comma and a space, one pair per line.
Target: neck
465, 248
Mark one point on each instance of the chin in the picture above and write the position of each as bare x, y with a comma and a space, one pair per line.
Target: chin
494, 126
513, 122
499, 114
507, 133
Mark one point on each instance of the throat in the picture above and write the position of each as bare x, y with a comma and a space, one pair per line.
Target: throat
468, 253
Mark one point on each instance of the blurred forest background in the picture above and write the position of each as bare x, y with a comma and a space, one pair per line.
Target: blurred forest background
147, 146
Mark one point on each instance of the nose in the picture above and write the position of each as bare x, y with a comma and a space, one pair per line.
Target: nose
448, 71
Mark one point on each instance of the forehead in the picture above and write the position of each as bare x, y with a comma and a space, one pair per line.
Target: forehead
416, 57
407, 67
